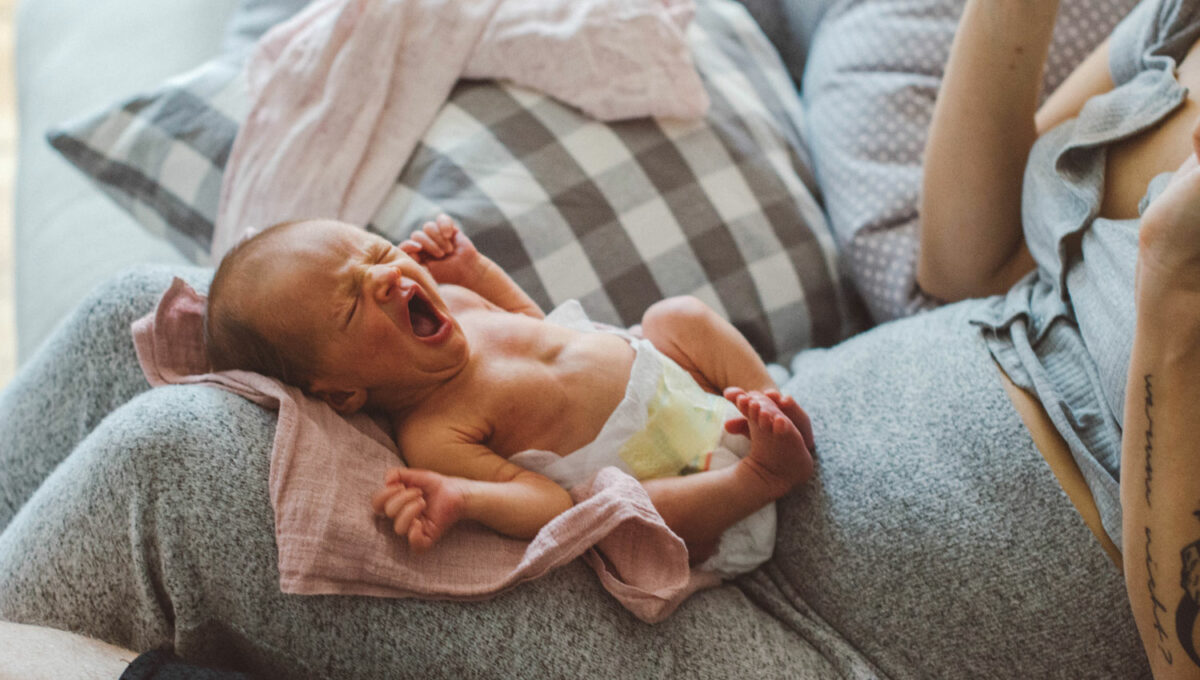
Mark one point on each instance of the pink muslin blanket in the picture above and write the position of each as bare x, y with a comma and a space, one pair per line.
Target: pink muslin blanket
344, 91
324, 469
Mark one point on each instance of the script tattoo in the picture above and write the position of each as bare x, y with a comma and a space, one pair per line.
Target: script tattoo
1188, 611
1156, 605
1149, 437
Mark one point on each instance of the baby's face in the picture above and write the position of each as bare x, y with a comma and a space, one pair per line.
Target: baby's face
375, 315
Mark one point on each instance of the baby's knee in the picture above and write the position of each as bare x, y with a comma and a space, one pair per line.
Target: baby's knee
684, 313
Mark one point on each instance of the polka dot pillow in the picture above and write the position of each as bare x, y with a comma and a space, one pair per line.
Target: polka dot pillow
869, 88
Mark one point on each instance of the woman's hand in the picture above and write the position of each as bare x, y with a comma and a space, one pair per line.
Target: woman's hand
446, 252
1169, 240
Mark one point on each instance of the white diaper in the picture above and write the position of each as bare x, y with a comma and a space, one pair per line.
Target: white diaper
665, 425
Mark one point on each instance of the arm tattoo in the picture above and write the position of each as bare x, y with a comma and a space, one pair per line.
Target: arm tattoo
1156, 605
1149, 437
1189, 606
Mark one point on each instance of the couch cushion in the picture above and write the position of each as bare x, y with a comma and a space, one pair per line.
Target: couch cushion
71, 57
618, 215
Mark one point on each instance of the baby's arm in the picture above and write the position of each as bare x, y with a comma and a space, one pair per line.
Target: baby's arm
451, 257
450, 480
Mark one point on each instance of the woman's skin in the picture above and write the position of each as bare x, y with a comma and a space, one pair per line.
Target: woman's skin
1160, 485
36, 652
972, 245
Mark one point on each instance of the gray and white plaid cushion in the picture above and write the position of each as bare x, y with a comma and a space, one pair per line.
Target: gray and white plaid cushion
616, 215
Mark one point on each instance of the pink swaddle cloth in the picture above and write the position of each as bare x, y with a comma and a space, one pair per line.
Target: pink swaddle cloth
343, 92
324, 469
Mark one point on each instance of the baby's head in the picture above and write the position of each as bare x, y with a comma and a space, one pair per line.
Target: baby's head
337, 311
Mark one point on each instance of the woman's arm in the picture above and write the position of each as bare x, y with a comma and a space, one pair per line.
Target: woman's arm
1160, 463
979, 139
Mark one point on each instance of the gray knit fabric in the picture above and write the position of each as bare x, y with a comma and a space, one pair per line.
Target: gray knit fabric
932, 543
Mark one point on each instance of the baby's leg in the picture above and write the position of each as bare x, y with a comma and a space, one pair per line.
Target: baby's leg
705, 345
700, 507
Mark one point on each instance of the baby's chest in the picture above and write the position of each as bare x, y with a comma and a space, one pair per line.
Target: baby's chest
555, 406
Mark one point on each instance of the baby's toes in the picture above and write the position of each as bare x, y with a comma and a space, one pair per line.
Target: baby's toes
798, 417
766, 413
780, 425
753, 410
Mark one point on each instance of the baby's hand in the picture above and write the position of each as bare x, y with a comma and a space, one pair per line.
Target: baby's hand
445, 251
421, 504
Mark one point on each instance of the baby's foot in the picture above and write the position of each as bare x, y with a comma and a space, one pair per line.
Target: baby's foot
797, 415
779, 452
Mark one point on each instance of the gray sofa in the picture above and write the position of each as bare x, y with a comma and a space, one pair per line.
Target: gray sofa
74, 56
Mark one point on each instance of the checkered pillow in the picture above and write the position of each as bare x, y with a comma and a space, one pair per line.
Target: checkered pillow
616, 215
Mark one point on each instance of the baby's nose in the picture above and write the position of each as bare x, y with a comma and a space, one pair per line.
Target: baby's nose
382, 281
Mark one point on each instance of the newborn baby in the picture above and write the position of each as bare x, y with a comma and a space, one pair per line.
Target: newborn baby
471, 373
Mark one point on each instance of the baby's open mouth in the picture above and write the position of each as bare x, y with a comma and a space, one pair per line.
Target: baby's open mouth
425, 320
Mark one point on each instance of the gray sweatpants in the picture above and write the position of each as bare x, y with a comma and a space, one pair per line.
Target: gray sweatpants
932, 543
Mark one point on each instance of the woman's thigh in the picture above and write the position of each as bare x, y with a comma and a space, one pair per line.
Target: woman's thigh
84, 370
934, 536
158, 530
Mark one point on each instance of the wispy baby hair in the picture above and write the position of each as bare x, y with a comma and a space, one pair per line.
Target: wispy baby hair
242, 336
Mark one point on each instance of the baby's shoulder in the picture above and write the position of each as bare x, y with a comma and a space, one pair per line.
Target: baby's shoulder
441, 420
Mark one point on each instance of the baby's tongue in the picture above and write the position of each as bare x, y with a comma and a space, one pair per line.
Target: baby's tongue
424, 323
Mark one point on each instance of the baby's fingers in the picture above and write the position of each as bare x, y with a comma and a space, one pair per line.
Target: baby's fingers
423, 239
380, 498
411, 248
406, 515
399, 500
440, 233
447, 229
419, 537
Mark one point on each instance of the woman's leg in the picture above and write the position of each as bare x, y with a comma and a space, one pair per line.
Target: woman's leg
83, 371
158, 529
933, 535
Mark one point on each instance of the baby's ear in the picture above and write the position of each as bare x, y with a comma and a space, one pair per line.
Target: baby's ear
345, 402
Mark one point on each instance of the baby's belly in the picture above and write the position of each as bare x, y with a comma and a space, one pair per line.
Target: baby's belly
566, 406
